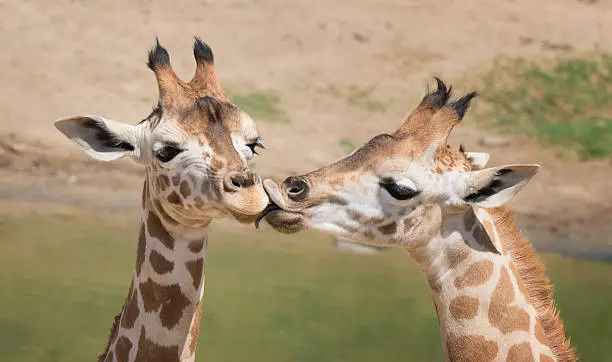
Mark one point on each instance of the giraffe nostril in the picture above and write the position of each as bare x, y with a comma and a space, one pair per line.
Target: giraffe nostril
296, 188
239, 180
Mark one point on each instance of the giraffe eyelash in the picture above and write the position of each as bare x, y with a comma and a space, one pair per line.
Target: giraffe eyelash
397, 191
167, 153
253, 146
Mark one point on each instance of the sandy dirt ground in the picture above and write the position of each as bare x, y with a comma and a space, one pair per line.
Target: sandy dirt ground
63, 58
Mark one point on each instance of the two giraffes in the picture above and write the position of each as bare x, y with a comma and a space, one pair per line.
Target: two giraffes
407, 189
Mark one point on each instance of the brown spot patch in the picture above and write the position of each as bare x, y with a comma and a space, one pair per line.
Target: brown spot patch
463, 307
122, 349
409, 223
456, 253
157, 230
355, 215
196, 246
194, 331
174, 198
169, 298
145, 191
388, 229
164, 181
185, 190
471, 348
130, 312
520, 353
545, 358
503, 316
176, 179
539, 333
198, 202
196, 269
374, 220
216, 163
140, 251
152, 352
469, 218
335, 199
483, 240
478, 273
160, 264
434, 283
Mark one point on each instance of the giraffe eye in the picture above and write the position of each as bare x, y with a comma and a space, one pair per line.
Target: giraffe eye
398, 191
253, 146
167, 153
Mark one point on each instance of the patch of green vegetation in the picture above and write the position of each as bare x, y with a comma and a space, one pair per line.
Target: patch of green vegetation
263, 106
359, 97
269, 297
567, 105
347, 144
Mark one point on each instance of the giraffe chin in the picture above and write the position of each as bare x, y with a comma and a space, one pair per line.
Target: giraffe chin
286, 222
244, 218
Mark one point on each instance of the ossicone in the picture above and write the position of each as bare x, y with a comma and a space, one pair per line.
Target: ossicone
462, 104
158, 56
438, 98
202, 52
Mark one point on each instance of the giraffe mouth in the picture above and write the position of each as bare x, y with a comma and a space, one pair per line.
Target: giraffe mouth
270, 208
275, 198
277, 214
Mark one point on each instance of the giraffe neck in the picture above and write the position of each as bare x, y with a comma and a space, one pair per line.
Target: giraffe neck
161, 316
484, 309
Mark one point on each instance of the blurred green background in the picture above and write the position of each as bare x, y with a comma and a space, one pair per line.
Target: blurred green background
269, 297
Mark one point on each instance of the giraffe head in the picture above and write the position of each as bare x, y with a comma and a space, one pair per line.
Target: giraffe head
194, 145
395, 189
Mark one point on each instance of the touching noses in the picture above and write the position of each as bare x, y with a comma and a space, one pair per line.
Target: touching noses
235, 181
296, 187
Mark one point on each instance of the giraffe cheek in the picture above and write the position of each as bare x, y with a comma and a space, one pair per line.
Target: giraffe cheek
422, 224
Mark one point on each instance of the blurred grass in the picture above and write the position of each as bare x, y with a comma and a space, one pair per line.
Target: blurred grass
269, 297
262, 106
348, 145
567, 105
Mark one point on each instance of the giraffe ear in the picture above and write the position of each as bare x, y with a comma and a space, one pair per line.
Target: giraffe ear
478, 159
493, 187
103, 139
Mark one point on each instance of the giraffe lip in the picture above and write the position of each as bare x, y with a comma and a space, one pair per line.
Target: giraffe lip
274, 193
271, 207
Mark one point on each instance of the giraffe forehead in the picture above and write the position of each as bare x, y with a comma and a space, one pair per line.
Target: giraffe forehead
211, 141
402, 166
194, 120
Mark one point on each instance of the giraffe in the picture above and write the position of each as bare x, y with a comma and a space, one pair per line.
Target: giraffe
194, 147
409, 189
